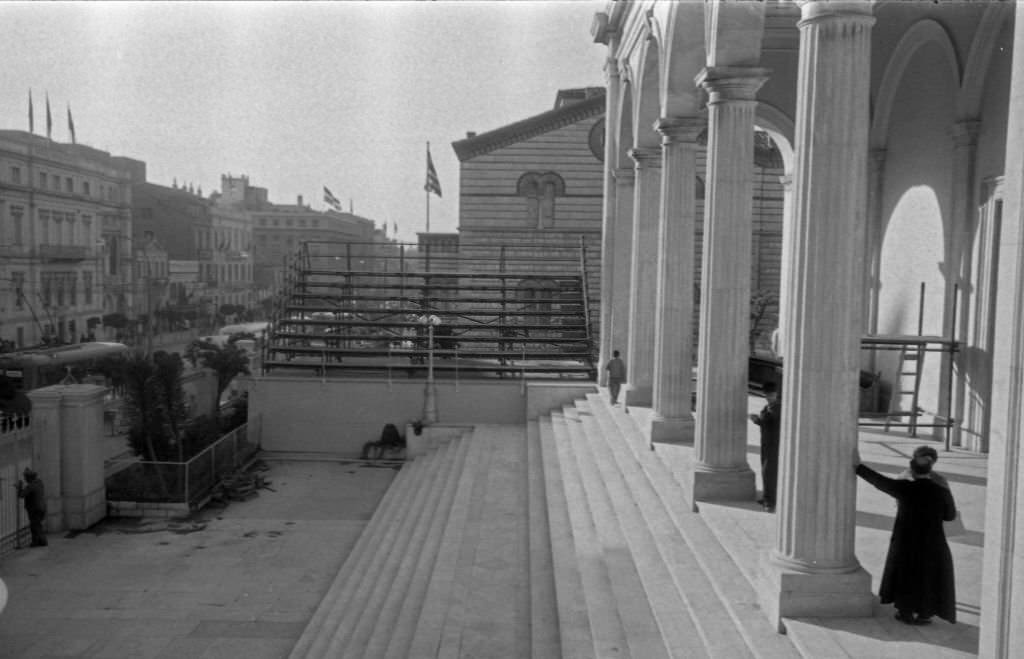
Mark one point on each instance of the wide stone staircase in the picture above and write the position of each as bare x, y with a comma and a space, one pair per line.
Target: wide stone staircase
566, 537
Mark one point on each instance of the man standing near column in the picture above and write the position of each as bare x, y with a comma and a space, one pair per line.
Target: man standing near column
616, 376
34, 494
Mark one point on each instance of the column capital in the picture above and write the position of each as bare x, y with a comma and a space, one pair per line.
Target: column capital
646, 157
732, 83
854, 11
680, 129
965, 132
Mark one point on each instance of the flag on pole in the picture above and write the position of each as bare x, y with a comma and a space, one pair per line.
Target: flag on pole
71, 126
433, 184
31, 114
395, 225
49, 118
331, 200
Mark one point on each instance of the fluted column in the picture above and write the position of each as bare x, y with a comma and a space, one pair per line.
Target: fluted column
872, 242
813, 570
722, 471
640, 362
953, 383
673, 338
608, 251
622, 261
786, 181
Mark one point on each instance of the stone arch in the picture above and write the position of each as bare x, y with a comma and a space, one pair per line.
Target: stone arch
683, 54
922, 33
647, 101
781, 128
993, 21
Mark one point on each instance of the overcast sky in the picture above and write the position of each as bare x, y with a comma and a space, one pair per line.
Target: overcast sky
295, 95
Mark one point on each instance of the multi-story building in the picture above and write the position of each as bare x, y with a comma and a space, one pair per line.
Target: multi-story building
279, 230
65, 238
215, 237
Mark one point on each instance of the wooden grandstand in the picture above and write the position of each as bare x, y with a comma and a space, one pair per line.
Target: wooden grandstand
351, 308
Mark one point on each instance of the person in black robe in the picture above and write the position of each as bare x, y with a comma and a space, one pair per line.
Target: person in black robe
769, 419
918, 575
34, 494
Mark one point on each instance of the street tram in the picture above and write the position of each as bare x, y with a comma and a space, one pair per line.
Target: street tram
41, 367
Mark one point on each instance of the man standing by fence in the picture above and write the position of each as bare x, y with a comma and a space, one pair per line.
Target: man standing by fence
34, 494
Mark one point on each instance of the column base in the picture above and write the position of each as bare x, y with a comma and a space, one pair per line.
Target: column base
638, 396
672, 430
723, 484
787, 592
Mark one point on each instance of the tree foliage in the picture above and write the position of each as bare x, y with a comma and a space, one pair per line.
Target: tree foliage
155, 406
227, 361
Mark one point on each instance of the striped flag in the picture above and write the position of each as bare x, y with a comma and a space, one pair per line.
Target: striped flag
433, 184
331, 200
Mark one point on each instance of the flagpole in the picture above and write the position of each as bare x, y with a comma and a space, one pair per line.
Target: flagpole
426, 189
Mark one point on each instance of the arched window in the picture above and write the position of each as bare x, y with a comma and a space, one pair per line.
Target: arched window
540, 189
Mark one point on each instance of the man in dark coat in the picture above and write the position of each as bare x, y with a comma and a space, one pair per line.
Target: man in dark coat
768, 419
33, 493
918, 576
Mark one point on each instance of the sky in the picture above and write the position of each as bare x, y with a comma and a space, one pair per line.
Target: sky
296, 96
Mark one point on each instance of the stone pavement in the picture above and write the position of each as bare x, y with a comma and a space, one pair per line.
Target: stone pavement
240, 581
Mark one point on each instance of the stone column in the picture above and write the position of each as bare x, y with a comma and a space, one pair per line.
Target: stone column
1002, 587
611, 118
622, 261
872, 243
673, 338
46, 451
644, 280
786, 181
953, 386
722, 471
83, 487
812, 571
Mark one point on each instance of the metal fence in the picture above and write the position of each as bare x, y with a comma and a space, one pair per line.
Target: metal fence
184, 482
15, 455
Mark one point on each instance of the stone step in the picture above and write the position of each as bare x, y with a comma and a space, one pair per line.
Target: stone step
637, 601
390, 509
374, 631
608, 635
734, 589
696, 623
349, 604
491, 616
575, 637
544, 636
369, 601
447, 587
433, 576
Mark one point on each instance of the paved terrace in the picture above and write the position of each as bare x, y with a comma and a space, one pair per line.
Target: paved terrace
245, 580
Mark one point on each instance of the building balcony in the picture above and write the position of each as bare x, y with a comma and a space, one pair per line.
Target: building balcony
14, 250
65, 252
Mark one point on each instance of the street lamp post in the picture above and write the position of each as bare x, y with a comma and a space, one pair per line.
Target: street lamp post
430, 393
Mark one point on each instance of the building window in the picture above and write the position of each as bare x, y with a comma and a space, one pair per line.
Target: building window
87, 230
42, 180
87, 286
73, 287
18, 284
17, 216
55, 182
540, 190
69, 184
47, 282
85, 188
59, 281
316, 223
16, 175
44, 227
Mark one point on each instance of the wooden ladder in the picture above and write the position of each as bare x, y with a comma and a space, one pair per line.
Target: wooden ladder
908, 384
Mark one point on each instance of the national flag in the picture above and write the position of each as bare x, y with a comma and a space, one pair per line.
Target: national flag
31, 114
331, 200
71, 126
395, 224
433, 184
49, 118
